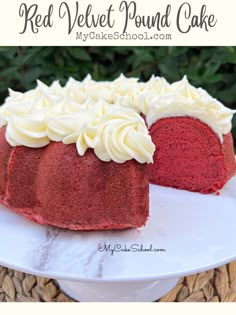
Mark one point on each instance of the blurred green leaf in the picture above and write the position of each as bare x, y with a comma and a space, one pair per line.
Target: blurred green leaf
234, 121
80, 53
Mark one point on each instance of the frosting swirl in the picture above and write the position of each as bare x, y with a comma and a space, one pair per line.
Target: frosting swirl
85, 136
122, 85
103, 90
122, 136
186, 89
60, 127
105, 115
27, 130
154, 87
76, 90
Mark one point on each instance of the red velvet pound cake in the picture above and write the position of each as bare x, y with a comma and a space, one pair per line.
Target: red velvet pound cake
189, 155
77, 170
78, 156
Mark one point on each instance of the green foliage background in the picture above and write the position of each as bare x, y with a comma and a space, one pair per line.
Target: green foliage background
213, 68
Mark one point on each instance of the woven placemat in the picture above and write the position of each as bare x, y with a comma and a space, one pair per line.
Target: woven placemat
217, 285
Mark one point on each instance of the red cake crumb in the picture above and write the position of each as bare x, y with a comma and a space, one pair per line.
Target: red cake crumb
23, 169
89, 193
5, 151
55, 186
189, 155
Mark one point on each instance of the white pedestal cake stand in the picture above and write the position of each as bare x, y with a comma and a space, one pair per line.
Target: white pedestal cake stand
185, 234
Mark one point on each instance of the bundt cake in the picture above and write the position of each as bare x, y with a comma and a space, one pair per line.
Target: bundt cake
194, 146
84, 170
81, 156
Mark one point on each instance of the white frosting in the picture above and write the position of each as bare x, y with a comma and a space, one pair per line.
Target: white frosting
77, 91
59, 127
103, 90
186, 90
157, 85
133, 99
27, 130
122, 136
7, 110
42, 98
123, 85
138, 95
154, 87
98, 108
87, 127
186, 100
105, 115
65, 106
84, 137
80, 114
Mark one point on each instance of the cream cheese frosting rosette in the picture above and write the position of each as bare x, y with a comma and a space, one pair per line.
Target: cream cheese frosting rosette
86, 127
61, 126
123, 85
29, 130
103, 90
65, 106
84, 137
186, 100
100, 108
7, 110
47, 94
128, 91
82, 91
154, 87
79, 127
141, 95
187, 90
133, 99
122, 135
67, 117
42, 98
78, 91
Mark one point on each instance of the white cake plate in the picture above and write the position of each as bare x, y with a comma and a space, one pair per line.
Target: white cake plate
186, 233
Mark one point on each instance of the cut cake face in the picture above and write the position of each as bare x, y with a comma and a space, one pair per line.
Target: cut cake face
190, 156
191, 132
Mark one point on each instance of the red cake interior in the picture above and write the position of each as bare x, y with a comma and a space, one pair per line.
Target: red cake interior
189, 155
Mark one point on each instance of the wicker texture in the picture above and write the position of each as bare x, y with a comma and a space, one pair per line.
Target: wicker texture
218, 285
